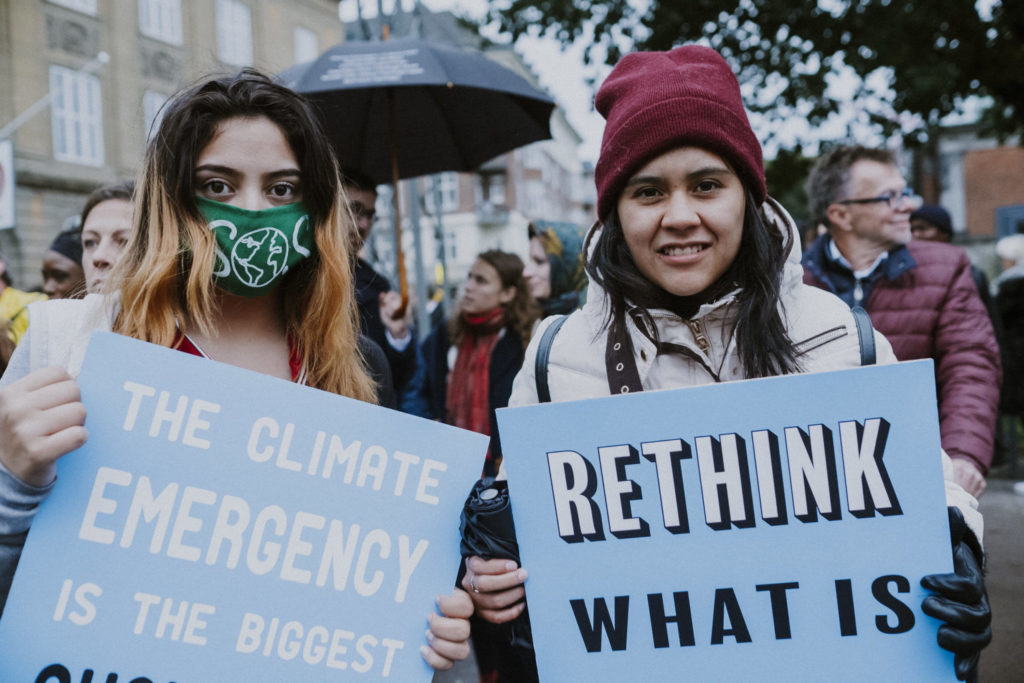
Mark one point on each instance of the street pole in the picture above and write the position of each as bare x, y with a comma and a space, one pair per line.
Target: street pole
422, 321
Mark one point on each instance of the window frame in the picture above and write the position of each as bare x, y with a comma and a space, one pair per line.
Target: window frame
76, 113
234, 43
161, 20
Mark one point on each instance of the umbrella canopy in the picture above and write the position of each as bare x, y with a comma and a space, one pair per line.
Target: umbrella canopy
418, 106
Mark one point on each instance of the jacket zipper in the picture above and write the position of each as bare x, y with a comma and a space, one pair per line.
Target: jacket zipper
697, 329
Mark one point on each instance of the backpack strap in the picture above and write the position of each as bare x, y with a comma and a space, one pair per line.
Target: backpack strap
865, 334
543, 352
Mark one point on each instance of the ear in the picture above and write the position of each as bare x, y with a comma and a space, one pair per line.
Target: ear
838, 216
507, 295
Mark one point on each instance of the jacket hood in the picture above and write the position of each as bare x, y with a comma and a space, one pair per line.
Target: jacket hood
563, 245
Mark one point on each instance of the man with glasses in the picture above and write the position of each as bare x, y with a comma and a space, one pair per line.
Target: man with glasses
920, 295
376, 301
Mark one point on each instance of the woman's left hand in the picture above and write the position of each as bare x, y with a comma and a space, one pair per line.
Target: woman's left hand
448, 635
961, 601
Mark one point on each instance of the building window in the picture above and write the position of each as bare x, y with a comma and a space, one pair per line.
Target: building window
451, 246
84, 6
493, 186
161, 19
152, 111
234, 33
77, 115
443, 187
307, 47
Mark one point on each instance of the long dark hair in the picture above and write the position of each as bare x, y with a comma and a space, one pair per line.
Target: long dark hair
764, 347
165, 273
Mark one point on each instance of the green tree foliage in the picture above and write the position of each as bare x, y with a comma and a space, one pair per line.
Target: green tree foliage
938, 52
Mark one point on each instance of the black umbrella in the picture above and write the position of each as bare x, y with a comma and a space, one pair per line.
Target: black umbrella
406, 107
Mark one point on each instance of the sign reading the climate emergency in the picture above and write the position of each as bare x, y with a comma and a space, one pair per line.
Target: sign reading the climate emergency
220, 525
768, 530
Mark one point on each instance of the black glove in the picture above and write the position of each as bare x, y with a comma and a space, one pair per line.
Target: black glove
489, 532
961, 600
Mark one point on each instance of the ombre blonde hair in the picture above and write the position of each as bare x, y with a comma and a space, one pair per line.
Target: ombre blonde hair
165, 275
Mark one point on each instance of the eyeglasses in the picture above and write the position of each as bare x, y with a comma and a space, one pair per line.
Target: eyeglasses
893, 199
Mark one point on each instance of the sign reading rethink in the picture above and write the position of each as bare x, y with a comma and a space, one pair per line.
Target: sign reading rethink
220, 525
768, 530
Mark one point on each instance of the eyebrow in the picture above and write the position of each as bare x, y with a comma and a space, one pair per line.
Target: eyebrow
227, 170
699, 173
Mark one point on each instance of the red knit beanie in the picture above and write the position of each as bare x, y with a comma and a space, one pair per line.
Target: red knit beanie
654, 102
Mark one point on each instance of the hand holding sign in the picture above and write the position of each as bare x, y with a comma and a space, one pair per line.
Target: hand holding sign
41, 419
496, 587
289, 535
961, 601
763, 542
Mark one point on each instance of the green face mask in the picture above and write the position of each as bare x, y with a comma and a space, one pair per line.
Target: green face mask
256, 248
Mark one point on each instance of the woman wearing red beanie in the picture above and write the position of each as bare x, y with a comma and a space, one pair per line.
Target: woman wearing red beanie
695, 278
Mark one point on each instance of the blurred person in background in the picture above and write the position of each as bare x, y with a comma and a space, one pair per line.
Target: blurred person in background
13, 313
469, 361
63, 277
554, 270
920, 295
1009, 305
106, 227
932, 223
377, 302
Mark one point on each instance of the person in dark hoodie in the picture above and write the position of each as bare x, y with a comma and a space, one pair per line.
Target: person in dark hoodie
377, 303
554, 271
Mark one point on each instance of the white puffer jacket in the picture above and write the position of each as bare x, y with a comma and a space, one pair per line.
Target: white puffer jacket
819, 323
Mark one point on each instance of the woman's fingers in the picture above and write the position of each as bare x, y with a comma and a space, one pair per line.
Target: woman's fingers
41, 419
448, 635
39, 378
457, 604
479, 565
496, 588
491, 576
449, 629
55, 420
502, 616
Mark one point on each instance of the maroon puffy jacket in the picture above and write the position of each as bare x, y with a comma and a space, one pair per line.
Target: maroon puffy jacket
933, 310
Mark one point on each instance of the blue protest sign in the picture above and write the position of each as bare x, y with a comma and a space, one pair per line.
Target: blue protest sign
221, 525
768, 530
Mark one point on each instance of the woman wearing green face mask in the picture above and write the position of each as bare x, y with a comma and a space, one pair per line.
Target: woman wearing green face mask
239, 253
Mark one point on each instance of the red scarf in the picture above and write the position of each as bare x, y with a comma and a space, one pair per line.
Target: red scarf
469, 384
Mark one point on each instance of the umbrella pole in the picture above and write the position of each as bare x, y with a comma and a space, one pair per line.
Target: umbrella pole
403, 282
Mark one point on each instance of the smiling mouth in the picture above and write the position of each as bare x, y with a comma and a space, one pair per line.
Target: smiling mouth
682, 251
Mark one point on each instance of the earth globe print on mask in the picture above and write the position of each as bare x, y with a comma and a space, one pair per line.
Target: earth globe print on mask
255, 249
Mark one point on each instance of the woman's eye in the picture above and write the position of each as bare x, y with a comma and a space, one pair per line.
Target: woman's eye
647, 192
706, 186
216, 187
283, 191
88, 244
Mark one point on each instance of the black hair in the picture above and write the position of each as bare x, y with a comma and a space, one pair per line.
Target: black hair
191, 119
764, 347
353, 177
